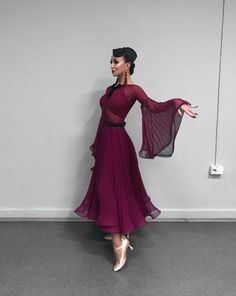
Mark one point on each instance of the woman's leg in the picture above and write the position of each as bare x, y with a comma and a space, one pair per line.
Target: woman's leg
116, 242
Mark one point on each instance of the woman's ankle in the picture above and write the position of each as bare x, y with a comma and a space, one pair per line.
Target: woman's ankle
116, 240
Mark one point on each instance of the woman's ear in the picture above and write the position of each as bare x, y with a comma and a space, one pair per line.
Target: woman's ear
128, 65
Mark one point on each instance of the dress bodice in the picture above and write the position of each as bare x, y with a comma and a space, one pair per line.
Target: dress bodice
160, 120
116, 107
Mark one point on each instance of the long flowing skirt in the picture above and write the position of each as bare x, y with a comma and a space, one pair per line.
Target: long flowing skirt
116, 198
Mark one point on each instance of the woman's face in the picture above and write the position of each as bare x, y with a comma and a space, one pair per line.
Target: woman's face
118, 65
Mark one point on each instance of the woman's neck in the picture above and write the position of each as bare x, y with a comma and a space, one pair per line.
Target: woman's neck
121, 81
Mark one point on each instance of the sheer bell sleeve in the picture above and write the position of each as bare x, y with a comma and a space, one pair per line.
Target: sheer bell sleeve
160, 124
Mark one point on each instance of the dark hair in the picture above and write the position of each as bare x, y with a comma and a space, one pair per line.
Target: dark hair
129, 55
132, 66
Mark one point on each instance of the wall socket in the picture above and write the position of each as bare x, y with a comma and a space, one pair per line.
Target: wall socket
216, 170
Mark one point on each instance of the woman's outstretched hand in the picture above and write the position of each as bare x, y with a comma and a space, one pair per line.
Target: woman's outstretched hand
186, 108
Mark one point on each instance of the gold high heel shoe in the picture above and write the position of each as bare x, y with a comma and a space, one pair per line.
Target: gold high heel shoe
124, 246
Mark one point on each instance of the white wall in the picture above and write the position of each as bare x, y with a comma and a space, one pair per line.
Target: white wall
54, 58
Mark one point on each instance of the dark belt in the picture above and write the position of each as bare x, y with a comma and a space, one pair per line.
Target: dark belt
113, 124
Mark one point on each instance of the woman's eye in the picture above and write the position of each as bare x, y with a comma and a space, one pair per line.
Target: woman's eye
116, 62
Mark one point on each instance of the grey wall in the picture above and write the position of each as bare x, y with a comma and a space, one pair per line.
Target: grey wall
54, 58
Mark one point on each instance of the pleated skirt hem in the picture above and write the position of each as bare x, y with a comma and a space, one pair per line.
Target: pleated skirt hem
116, 198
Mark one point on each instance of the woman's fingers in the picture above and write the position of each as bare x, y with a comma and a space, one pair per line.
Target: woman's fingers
192, 114
186, 109
180, 112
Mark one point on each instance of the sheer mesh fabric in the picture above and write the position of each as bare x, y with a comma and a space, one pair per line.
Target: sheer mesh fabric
160, 120
116, 197
160, 123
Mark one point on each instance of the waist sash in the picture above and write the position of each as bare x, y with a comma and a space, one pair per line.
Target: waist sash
113, 124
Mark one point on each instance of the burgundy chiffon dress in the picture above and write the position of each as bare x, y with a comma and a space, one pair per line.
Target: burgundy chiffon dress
116, 198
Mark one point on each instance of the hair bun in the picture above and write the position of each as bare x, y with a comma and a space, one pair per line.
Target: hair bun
132, 66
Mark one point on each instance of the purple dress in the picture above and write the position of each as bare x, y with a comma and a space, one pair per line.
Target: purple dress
116, 198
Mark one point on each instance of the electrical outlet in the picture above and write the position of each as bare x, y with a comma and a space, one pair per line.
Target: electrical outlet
216, 170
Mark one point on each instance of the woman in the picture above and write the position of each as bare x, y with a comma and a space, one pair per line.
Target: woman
116, 198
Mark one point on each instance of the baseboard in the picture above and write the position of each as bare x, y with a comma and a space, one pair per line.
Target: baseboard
178, 215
